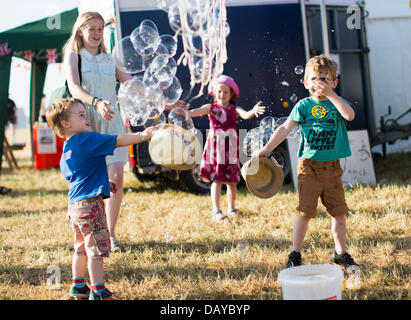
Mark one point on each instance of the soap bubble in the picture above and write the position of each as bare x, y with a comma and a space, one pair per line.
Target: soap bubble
145, 38
170, 43
180, 117
173, 93
298, 69
252, 141
267, 122
148, 58
174, 18
126, 58
280, 121
158, 121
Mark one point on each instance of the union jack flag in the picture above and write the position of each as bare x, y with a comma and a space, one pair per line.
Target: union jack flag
28, 55
4, 49
51, 55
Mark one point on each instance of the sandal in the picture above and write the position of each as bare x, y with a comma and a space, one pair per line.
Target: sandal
115, 246
4, 190
235, 213
218, 215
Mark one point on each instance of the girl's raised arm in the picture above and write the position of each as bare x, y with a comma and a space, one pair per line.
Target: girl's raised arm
201, 111
255, 111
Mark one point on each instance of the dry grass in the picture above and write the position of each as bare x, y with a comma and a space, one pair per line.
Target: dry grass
175, 251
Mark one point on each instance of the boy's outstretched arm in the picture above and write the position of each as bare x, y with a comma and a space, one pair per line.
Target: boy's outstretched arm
255, 111
278, 136
124, 140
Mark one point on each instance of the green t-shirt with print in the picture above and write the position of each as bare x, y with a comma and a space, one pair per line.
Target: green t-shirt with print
323, 133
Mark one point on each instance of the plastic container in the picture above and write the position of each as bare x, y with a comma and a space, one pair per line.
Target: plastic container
48, 147
311, 282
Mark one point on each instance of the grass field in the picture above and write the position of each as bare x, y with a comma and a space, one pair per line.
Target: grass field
175, 251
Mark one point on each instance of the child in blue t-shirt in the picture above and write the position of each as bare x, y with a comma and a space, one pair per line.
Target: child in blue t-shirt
83, 165
324, 140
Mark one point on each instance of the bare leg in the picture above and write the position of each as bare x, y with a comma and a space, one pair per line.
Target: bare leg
216, 194
299, 232
95, 270
79, 264
338, 230
112, 205
231, 195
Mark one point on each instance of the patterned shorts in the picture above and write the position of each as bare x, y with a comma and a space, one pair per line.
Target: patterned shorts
88, 221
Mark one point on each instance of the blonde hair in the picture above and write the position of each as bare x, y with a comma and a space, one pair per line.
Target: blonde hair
321, 65
75, 42
58, 112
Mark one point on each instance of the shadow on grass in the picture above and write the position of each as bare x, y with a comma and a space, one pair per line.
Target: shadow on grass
209, 247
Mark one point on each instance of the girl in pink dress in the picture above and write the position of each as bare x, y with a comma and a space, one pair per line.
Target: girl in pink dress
220, 161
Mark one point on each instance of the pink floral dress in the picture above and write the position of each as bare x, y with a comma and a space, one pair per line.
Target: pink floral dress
220, 160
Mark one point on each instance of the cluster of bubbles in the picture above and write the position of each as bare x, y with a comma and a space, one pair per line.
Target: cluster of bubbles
203, 27
257, 138
298, 70
148, 56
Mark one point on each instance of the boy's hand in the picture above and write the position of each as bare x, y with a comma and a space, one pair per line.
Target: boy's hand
260, 153
258, 109
148, 133
323, 87
113, 187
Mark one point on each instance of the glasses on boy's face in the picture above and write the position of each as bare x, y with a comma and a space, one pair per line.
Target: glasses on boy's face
320, 78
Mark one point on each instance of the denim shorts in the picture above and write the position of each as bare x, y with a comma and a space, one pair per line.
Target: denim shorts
89, 224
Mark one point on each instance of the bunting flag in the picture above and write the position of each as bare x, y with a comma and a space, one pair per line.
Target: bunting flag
4, 49
28, 55
51, 55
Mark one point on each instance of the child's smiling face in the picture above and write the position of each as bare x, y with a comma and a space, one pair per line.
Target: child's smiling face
223, 94
78, 121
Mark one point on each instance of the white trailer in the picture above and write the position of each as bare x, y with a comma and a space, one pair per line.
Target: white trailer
269, 38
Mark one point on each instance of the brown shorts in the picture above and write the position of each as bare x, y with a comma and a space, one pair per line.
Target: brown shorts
89, 224
320, 179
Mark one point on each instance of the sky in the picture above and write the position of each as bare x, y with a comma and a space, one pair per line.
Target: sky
11, 16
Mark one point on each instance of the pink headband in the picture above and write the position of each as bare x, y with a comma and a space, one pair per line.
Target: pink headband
227, 81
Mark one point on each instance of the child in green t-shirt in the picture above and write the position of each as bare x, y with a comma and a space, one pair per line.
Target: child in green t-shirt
324, 141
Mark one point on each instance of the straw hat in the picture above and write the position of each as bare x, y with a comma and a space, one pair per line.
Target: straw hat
265, 180
175, 147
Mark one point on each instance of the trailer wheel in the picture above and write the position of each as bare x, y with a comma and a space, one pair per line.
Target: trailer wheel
143, 177
190, 181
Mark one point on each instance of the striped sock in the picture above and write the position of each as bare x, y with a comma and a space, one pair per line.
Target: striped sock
98, 287
79, 282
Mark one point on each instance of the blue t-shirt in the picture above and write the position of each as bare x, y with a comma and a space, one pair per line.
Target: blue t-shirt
323, 133
83, 164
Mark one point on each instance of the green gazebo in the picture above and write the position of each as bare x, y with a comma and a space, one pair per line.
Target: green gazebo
40, 42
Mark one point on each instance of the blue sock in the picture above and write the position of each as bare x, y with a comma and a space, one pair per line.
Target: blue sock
98, 287
79, 282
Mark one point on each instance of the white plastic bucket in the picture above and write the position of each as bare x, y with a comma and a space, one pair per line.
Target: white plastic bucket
311, 282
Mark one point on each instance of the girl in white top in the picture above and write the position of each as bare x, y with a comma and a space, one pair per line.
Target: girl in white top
98, 93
